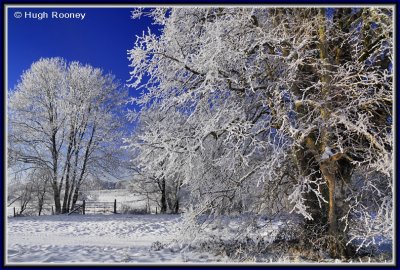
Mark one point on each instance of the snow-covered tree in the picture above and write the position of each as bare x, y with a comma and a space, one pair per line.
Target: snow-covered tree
40, 180
301, 95
156, 167
63, 118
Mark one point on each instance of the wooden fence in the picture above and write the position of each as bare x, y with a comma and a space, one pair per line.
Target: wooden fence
89, 207
95, 207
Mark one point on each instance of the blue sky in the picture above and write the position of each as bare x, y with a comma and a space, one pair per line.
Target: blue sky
101, 39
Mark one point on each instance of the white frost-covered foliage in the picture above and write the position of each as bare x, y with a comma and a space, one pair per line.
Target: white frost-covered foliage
267, 106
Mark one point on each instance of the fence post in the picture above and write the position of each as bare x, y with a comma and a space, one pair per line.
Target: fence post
83, 207
52, 210
148, 209
14, 211
115, 206
156, 210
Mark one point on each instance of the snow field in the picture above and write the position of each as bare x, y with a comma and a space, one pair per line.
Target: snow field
96, 239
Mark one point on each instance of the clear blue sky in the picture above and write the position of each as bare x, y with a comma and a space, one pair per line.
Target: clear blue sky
101, 39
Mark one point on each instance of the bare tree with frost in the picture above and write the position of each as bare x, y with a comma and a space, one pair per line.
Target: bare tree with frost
299, 95
63, 118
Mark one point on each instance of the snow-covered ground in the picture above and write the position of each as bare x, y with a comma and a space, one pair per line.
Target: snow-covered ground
120, 238
96, 239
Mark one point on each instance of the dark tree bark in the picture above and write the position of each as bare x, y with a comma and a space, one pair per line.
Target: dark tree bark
163, 199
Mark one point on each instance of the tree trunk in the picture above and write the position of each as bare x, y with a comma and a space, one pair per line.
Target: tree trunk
40, 204
70, 196
326, 217
335, 248
75, 197
306, 158
176, 206
40, 208
57, 202
76, 153
57, 197
83, 170
163, 198
65, 207
329, 166
338, 207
